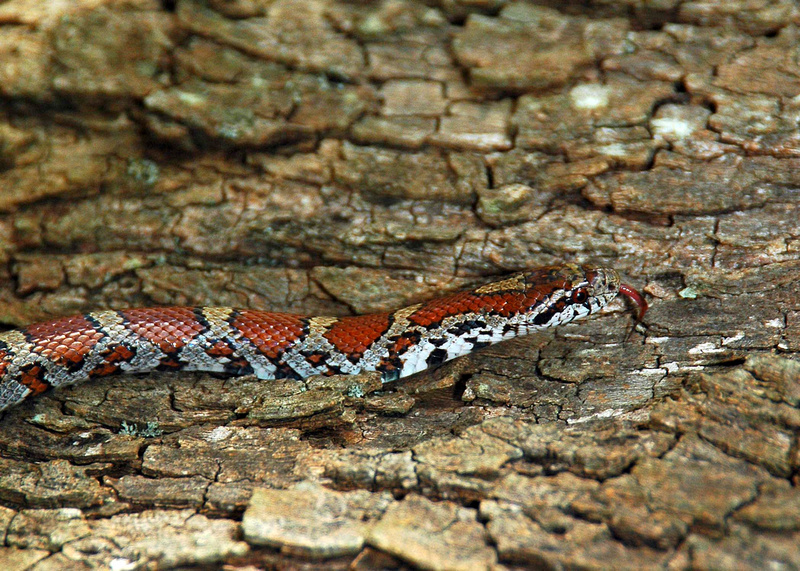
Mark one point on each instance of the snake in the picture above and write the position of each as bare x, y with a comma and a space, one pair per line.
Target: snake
272, 345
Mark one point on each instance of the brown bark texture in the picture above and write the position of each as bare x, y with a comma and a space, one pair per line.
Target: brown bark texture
337, 157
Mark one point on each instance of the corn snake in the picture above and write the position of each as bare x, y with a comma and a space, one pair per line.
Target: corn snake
278, 345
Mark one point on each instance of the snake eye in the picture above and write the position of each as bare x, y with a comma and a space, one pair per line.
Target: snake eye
580, 295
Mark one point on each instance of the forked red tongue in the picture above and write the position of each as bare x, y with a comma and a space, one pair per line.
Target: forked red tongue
635, 297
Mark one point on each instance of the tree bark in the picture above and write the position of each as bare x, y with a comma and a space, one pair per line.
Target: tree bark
331, 157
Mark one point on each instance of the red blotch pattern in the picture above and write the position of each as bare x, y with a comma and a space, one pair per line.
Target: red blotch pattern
433, 312
271, 333
169, 328
537, 294
354, 335
65, 341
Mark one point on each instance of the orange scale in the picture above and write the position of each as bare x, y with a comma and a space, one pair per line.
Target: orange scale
171, 339
246, 332
184, 329
62, 349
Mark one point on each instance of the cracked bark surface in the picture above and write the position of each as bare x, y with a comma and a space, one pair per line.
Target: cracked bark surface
331, 157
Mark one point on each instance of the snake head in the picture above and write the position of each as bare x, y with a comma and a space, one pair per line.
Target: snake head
560, 294
606, 285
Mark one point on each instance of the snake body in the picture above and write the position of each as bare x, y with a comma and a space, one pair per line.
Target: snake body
281, 345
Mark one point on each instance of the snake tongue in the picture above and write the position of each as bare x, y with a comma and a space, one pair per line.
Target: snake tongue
636, 298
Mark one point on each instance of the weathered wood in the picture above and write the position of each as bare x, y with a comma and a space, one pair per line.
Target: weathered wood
334, 157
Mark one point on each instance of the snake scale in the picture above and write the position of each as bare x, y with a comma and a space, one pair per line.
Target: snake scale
281, 345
